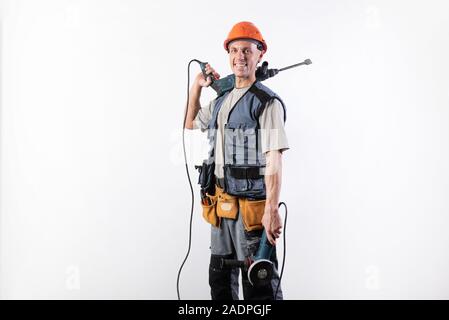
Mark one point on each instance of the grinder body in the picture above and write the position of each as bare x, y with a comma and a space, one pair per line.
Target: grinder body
261, 270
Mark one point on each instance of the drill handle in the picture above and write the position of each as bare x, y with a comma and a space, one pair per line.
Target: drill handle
263, 73
203, 70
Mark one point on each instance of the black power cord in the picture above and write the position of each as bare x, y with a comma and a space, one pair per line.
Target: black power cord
193, 195
188, 177
285, 249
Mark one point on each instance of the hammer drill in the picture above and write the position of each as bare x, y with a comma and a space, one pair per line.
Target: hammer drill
262, 73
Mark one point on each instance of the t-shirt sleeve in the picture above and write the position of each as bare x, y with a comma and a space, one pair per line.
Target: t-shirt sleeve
203, 117
273, 135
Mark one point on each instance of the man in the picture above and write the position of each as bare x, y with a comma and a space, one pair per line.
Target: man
246, 131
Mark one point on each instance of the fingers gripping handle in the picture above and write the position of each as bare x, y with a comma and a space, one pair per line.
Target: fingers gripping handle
203, 70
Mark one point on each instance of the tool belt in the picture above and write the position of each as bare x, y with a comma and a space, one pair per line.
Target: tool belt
218, 204
223, 205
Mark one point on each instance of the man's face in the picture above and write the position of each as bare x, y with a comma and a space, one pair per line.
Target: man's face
243, 57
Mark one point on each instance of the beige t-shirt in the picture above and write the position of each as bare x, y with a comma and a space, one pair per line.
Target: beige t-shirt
273, 136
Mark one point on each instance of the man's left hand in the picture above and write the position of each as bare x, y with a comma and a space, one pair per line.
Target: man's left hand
272, 223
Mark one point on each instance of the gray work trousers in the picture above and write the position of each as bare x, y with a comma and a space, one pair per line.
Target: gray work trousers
232, 241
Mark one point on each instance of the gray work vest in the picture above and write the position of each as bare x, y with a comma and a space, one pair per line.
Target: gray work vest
244, 163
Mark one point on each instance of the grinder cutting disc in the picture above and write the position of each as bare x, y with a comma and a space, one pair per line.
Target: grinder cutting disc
260, 273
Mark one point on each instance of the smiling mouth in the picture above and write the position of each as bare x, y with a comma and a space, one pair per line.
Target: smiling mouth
240, 65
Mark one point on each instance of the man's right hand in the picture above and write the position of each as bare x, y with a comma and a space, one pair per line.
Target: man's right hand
199, 80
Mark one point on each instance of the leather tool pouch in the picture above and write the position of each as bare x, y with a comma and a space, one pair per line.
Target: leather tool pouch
210, 211
206, 180
227, 205
252, 212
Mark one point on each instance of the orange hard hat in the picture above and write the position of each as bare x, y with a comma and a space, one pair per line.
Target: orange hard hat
245, 30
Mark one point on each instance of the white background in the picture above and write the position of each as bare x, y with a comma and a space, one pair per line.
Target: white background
95, 201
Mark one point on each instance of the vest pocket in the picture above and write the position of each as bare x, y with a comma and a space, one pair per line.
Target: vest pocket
210, 211
241, 143
252, 213
244, 181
